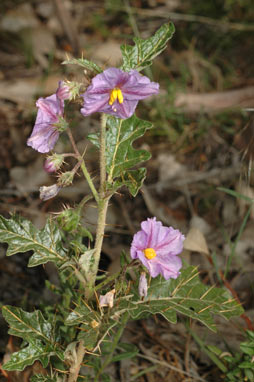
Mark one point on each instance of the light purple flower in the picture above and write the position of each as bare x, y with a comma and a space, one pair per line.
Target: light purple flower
117, 92
157, 248
45, 134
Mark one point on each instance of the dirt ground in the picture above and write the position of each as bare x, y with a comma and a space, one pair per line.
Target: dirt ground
202, 140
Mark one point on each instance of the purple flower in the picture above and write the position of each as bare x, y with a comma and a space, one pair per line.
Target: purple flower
117, 93
157, 248
45, 133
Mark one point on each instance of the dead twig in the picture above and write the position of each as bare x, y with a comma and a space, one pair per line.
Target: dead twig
195, 102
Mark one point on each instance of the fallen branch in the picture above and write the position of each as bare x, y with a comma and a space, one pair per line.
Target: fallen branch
216, 101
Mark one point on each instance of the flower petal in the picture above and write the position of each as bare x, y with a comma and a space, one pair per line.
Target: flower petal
139, 243
45, 135
170, 268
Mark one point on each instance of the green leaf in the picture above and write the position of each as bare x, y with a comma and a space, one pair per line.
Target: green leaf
22, 236
82, 314
189, 296
186, 295
121, 134
235, 194
36, 350
120, 155
128, 351
143, 52
84, 63
89, 336
132, 179
29, 326
42, 378
86, 262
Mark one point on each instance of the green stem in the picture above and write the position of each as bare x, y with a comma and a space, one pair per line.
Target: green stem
102, 208
83, 166
103, 154
117, 337
89, 181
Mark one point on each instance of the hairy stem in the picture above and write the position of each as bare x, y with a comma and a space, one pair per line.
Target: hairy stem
103, 155
74, 370
89, 181
117, 337
102, 207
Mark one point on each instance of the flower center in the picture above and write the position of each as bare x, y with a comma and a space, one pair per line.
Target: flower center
115, 94
149, 253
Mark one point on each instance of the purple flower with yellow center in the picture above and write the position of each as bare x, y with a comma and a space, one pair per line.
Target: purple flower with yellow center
45, 132
117, 92
157, 248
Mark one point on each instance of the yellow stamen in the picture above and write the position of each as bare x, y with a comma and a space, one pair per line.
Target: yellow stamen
149, 253
115, 94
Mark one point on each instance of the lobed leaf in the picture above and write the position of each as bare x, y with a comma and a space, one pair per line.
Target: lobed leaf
143, 52
35, 351
22, 236
84, 63
120, 154
186, 295
29, 326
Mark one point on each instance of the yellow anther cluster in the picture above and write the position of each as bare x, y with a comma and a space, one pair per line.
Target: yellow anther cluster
149, 253
115, 94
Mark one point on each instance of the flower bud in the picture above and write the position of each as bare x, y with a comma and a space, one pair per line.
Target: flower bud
142, 288
53, 163
65, 179
48, 192
69, 219
63, 91
68, 90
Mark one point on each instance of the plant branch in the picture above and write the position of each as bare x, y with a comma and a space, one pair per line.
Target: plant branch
83, 166
103, 154
74, 370
102, 207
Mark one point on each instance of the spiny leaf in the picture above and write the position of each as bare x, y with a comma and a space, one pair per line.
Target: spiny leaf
29, 326
22, 236
143, 52
186, 295
84, 63
35, 351
189, 296
82, 314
